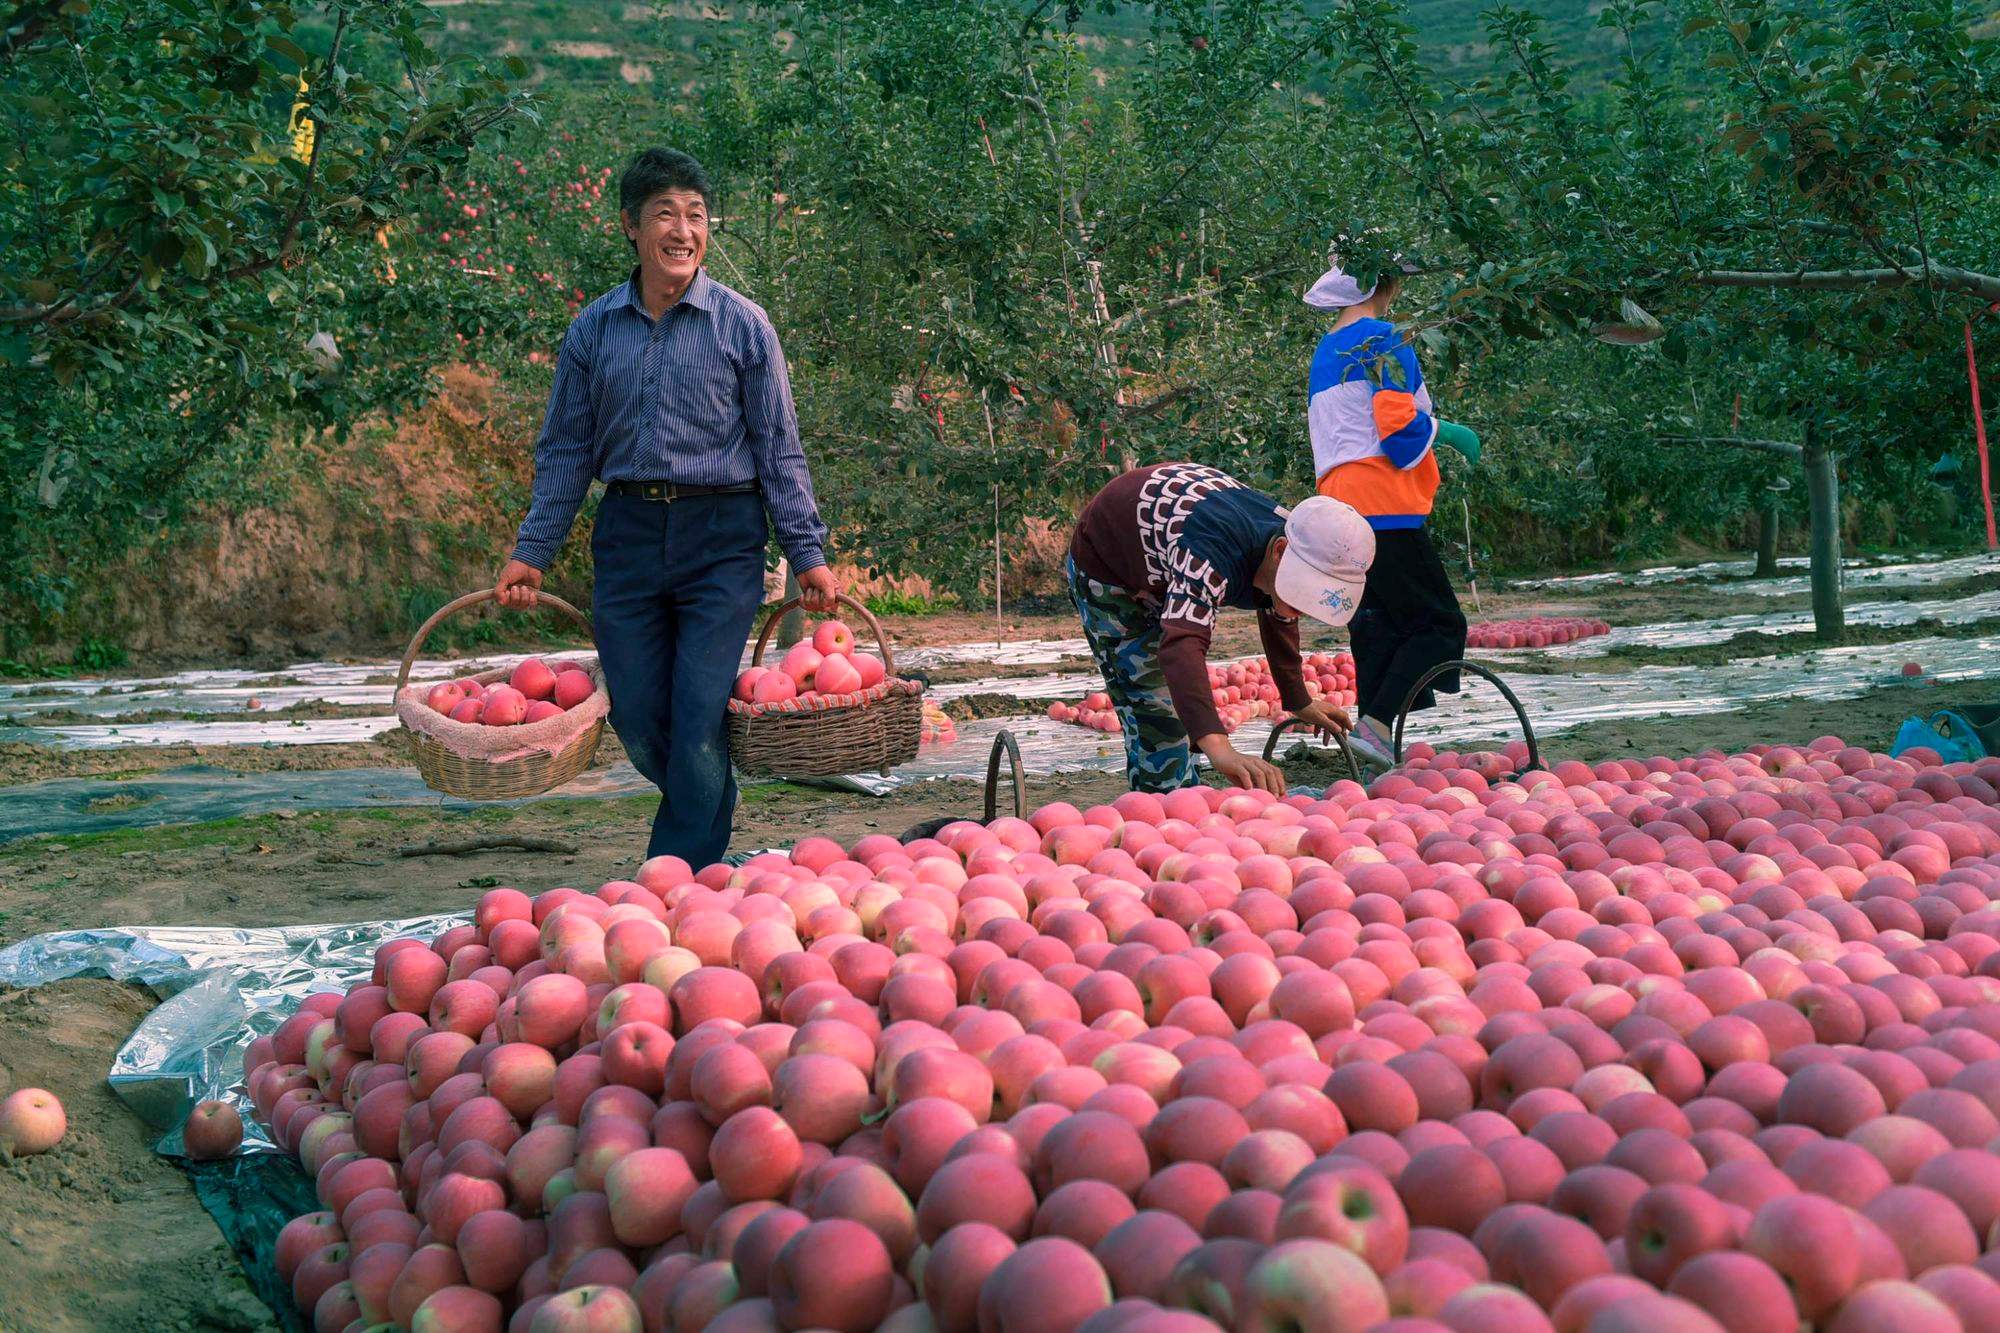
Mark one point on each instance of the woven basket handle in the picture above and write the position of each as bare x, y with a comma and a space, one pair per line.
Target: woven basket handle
874, 627
474, 599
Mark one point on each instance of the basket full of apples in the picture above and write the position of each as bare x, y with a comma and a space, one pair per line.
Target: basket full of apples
508, 732
827, 708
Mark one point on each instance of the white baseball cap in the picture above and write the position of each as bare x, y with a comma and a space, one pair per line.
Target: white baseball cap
1328, 549
1336, 290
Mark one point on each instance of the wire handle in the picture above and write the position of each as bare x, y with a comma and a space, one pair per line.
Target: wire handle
456, 605
1004, 741
1339, 737
1485, 673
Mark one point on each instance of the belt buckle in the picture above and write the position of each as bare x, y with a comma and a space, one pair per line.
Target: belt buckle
660, 490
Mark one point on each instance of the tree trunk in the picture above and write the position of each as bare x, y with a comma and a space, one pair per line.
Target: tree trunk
792, 625
1767, 540
1823, 495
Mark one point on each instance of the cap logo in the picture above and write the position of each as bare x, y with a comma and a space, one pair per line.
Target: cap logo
1335, 600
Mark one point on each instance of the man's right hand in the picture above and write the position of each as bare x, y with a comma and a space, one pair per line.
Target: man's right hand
1242, 770
517, 585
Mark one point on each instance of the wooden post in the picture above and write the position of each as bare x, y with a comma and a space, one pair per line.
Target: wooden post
1767, 538
792, 625
1823, 498
1979, 438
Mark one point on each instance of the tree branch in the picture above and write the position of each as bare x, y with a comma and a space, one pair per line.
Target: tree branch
524, 842
1942, 277
1159, 402
1125, 321
71, 307
1782, 448
27, 25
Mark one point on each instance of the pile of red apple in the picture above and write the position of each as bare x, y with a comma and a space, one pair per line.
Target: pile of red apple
1668, 1044
823, 666
533, 692
1244, 692
1534, 632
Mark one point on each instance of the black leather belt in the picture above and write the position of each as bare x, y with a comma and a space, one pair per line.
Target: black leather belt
669, 491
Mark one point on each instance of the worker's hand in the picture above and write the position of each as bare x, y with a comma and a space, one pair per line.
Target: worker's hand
517, 585
1462, 438
1324, 719
1242, 770
818, 588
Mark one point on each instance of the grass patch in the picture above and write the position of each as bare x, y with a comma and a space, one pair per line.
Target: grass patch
908, 604
157, 838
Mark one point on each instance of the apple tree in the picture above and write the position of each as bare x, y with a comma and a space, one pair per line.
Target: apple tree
195, 207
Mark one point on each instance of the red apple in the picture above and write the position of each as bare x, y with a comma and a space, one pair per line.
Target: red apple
213, 1131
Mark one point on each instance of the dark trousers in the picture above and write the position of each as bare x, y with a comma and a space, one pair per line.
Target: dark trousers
677, 586
1408, 622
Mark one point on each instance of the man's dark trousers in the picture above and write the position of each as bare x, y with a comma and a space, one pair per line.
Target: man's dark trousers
677, 586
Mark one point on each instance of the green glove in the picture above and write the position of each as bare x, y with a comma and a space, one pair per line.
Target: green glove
1462, 438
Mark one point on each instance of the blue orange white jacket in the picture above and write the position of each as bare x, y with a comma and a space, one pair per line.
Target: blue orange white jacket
1371, 425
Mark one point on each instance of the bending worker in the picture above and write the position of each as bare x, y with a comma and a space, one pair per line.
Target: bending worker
1156, 554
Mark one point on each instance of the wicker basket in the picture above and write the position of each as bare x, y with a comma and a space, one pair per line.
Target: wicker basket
871, 735
477, 779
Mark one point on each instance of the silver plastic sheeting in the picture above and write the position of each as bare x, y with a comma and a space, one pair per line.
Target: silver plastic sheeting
221, 986
1053, 685
1711, 570
198, 792
1919, 575
1013, 652
277, 731
1692, 633
232, 690
1555, 703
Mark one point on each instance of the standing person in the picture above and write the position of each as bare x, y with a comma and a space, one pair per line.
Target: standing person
1372, 436
672, 390
1156, 554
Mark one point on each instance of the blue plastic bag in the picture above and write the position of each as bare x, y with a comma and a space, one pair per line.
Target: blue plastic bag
1954, 738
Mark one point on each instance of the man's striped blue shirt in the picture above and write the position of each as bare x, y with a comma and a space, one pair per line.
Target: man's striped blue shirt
700, 396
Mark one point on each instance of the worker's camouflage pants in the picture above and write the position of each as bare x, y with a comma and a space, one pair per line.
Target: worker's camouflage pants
1124, 637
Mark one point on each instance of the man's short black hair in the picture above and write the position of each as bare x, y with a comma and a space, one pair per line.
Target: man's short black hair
659, 169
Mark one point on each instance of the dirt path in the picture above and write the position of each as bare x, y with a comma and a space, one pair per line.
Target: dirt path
345, 866
100, 1235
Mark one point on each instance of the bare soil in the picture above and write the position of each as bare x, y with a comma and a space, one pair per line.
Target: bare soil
346, 865
100, 1234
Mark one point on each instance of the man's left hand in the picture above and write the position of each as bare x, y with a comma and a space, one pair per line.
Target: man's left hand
1323, 718
818, 588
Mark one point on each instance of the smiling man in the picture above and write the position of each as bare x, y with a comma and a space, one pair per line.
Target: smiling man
672, 390
1157, 553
